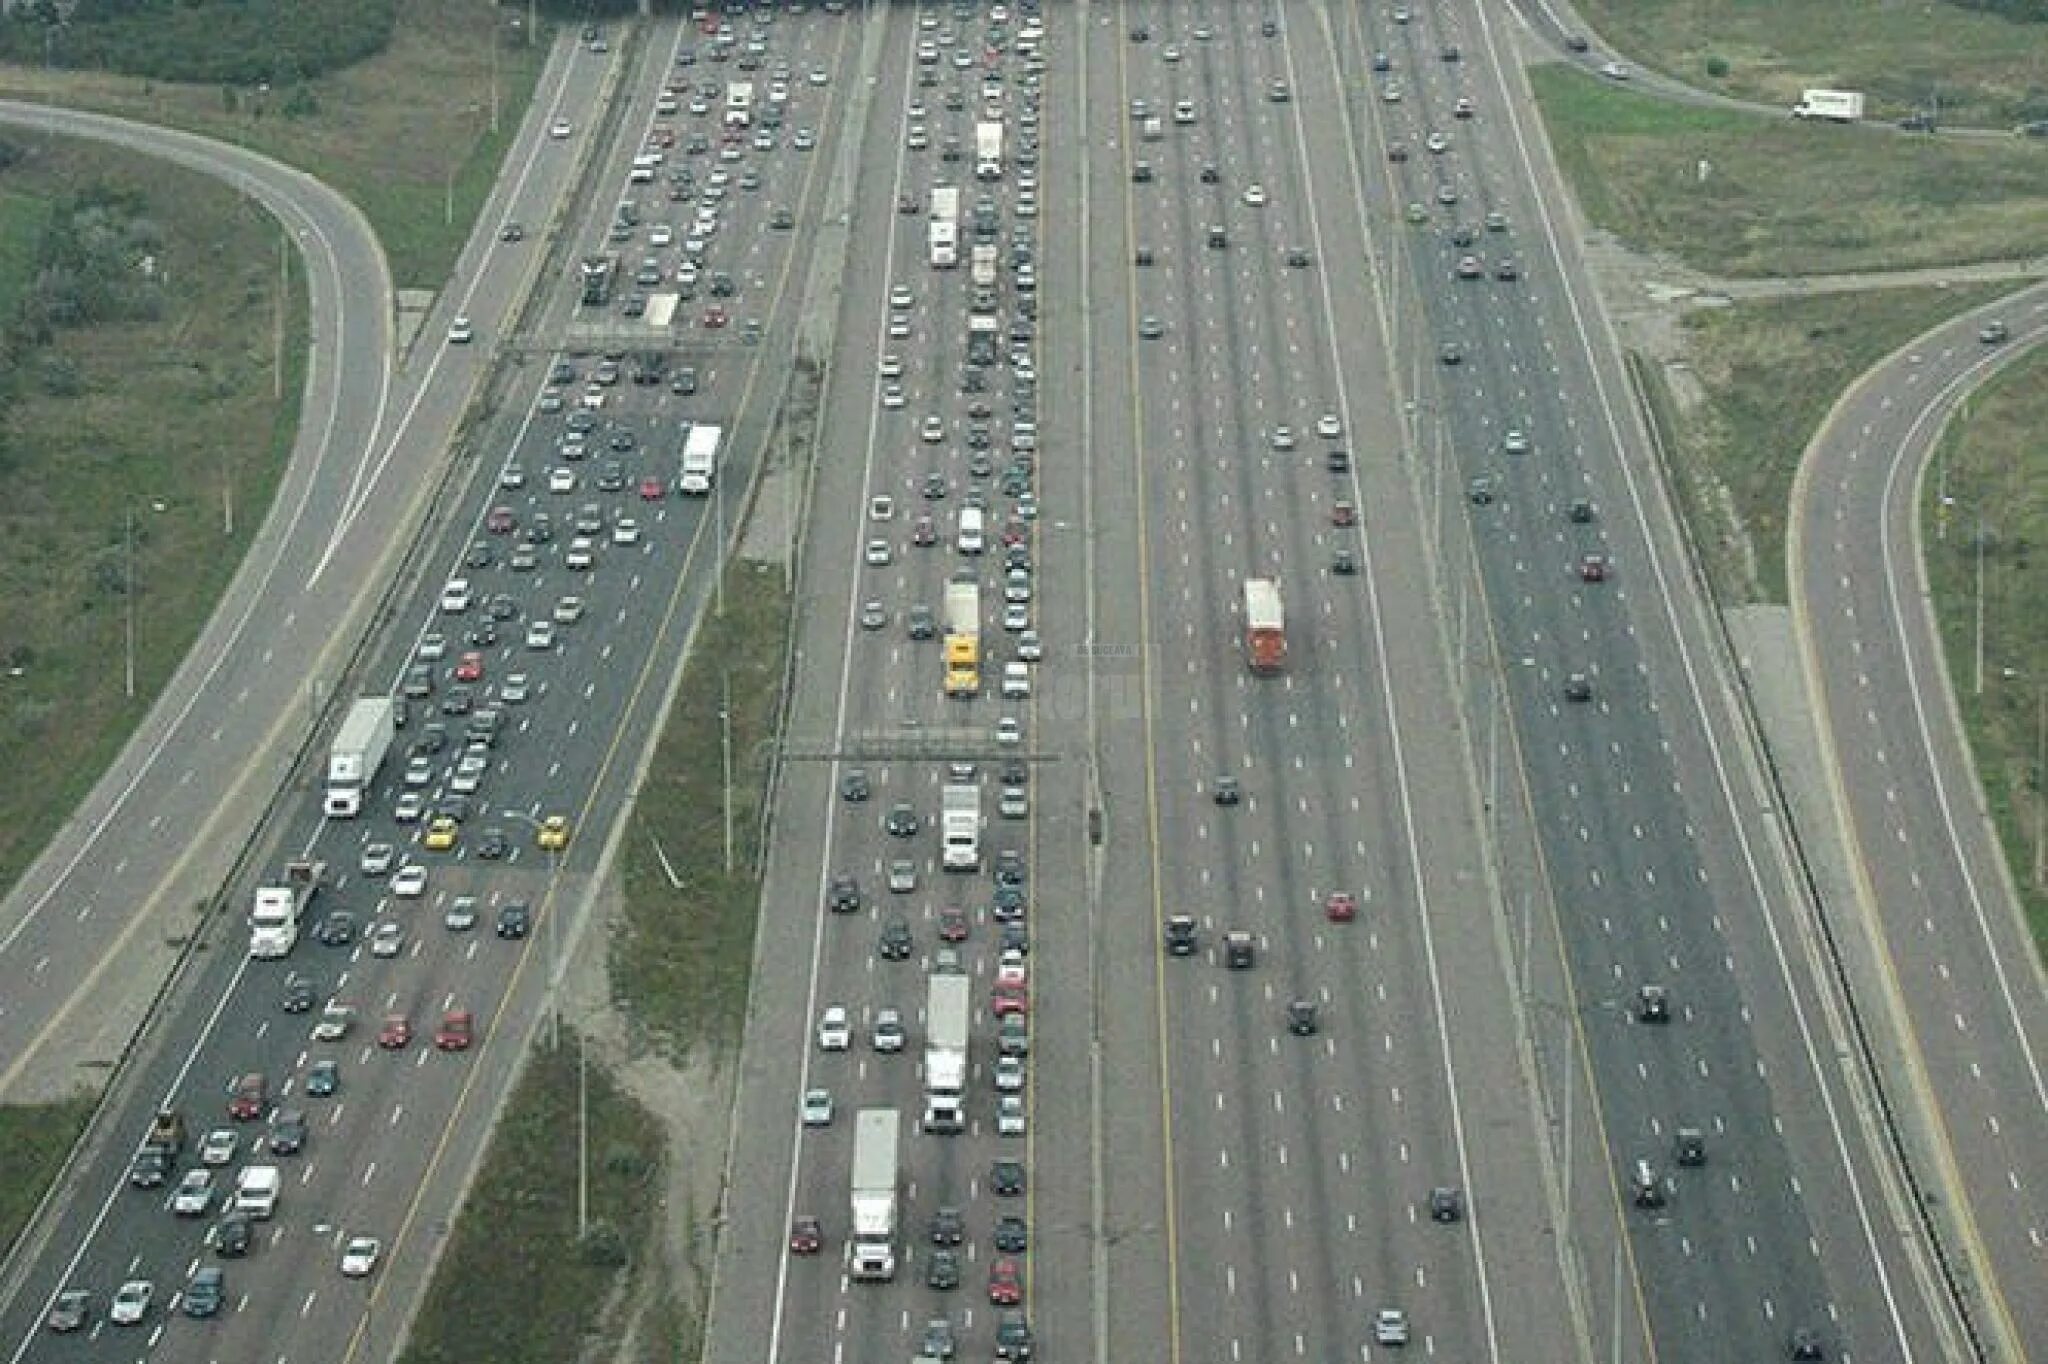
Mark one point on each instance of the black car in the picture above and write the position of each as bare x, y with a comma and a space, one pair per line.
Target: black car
1014, 936
288, 1133
854, 784
901, 821
480, 555
1578, 687
948, 1227
514, 919
1653, 1005
895, 943
204, 1294
1009, 869
942, 1270
338, 929
150, 1170
1301, 1017
1238, 951
843, 895
231, 1236
1580, 511
433, 738
71, 1311
1344, 562
1446, 1205
493, 844
323, 1079
1805, 1344
1227, 792
299, 990
504, 608
1180, 935
922, 623
1689, 1147
1014, 772
1012, 1236
482, 635
1006, 1178
1013, 1336
1007, 905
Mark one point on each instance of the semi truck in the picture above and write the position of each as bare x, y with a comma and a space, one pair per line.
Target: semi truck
945, 204
948, 1015
942, 244
739, 104
279, 909
359, 748
963, 639
960, 826
1265, 625
700, 459
1834, 106
598, 274
871, 1254
988, 151
982, 266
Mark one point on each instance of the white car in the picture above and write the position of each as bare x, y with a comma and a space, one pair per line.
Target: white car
559, 129
387, 939
568, 610
220, 1147
892, 396
834, 1032
515, 689
1614, 71
456, 597
561, 480
1010, 1115
580, 554
892, 366
899, 328
433, 647
1009, 733
460, 332
881, 507
878, 554
377, 859
1009, 1074
933, 430
1016, 616
817, 1108
1515, 443
131, 1302
408, 808
1390, 1327
195, 1194
1255, 196
1437, 143
359, 1256
626, 531
1328, 427
410, 883
661, 234
540, 634
1029, 649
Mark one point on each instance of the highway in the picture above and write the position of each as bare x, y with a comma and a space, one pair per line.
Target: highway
1959, 969
86, 923
389, 1153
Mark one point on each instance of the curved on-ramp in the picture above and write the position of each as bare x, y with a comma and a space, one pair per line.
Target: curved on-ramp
1953, 957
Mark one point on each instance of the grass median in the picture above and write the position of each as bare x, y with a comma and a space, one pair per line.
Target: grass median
38, 1139
1767, 373
1974, 67
1740, 195
1992, 468
414, 136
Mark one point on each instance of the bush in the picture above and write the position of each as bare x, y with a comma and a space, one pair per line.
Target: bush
1717, 67
239, 42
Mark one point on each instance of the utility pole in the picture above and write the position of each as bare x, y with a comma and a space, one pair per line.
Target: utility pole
582, 1134
725, 755
128, 591
1980, 604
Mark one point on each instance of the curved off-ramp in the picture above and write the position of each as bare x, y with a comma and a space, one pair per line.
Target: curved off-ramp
1954, 958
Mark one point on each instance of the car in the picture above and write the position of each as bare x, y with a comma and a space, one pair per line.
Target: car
457, 1031
441, 834
805, 1238
1506, 270
1515, 442
461, 332
1805, 1343
835, 1032
1994, 332
1593, 568
1578, 687
1470, 267
895, 942
953, 924
947, 1227
902, 876
1653, 1004
1580, 512
515, 918
1689, 1147
1013, 1336
231, 1236
873, 615
1005, 1002
1010, 1120
901, 821
559, 129
409, 882
1480, 491
220, 1147
1005, 1282
1614, 71
1451, 353
335, 1021
409, 807
560, 480
1447, 194
1012, 1236
299, 990
1006, 1178
396, 1032
1343, 513
194, 1194
540, 634
817, 1108
1341, 907
131, 1302
1226, 791
1446, 1205
359, 1256
942, 1270
460, 916
1240, 952
1277, 92
1390, 1326
1255, 195
70, 1312
1398, 153
1496, 221
1301, 1017
387, 939
878, 553
1009, 1074
568, 610
938, 1343
553, 834
853, 784
288, 1132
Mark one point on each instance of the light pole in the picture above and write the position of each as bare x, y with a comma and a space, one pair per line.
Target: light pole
549, 911
128, 593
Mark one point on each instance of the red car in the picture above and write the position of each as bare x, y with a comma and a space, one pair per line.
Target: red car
804, 1236
1342, 513
1341, 907
1013, 533
924, 533
1009, 1001
457, 1030
952, 924
396, 1034
714, 317
251, 1096
1005, 1282
501, 521
651, 489
470, 667
1593, 568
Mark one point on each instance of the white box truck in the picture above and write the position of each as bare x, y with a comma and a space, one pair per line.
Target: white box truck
358, 751
256, 1191
700, 460
982, 266
280, 909
948, 1015
871, 1255
1834, 106
963, 639
988, 151
960, 826
942, 240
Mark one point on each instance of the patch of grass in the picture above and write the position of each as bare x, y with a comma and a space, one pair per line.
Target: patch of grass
1781, 198
103, 490
1986, 71
1770, 371
1997, 485
37, 1139
397, 133
681, 962
515, 1285
22, 217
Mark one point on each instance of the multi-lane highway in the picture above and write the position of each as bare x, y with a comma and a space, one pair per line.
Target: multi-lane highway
1959, 967
585, 566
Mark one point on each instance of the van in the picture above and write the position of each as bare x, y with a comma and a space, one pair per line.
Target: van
256, 1191
1153, 129
971, 540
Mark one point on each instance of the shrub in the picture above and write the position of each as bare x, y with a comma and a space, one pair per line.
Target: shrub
1717, 67
237, 42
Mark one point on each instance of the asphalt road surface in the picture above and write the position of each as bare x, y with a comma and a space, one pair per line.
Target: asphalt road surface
1961, 968
389, 1152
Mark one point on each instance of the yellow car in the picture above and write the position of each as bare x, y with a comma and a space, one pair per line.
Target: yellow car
441, 834
554, 833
